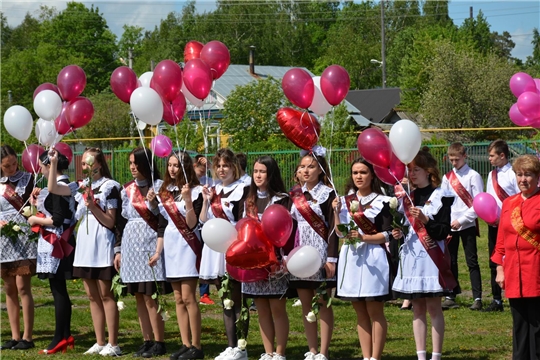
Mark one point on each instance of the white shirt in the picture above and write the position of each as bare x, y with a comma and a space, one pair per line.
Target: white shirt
246, 179
506, 177
473, 183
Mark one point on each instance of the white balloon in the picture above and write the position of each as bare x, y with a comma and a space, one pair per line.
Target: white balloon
304, 261
18, 122
319, 105
147, 106
48, 104
141, 125
190, 97
218, 234
406, 140
46, 132
146, 78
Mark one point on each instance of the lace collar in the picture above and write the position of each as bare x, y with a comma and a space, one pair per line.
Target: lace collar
14, 178
315, 189
366, 199
98, 182
225, 189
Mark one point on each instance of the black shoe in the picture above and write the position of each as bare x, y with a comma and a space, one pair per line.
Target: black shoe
157, 350
493, 307
449, 304
9, 344
24, 345
192, 353
146, 346
182, 350
476, 306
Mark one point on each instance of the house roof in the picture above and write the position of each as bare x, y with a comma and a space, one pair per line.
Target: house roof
375, 104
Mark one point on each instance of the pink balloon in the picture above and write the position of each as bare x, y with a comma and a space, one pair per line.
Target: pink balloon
277, 224
65, 150
161, 145
192, 50
486, 207
167, 80
198, 78
335, 84
123, 82
247, 276
519, 119
375, 147
61, 123
216, 55
298, 87
30, 158
529, 104
174, 112
79, 112
537, 83
71, 82
521, 82
385, 174
46, 86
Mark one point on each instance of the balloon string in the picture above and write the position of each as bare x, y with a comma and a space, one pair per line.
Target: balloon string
205, 136
150, 162
399, 182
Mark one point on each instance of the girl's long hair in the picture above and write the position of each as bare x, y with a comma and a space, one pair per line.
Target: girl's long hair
376, 185
186, 167
275, 183
143, 158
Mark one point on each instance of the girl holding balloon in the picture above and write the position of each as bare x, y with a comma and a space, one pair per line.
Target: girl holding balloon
225, 200
363, 267
180, 206
18, 256
98, 247
266, 191
313, 210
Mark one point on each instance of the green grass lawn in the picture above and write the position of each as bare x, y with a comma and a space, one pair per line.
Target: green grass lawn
469, 335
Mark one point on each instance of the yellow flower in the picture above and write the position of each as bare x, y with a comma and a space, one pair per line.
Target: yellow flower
242, 343
16, 228
28, 211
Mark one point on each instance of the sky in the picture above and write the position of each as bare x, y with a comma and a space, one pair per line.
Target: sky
517, 17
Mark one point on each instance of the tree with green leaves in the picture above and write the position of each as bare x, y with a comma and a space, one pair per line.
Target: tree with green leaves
338, 130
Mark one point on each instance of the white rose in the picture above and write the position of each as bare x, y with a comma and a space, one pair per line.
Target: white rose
311, 317
165, 315
121, 306
242, 343
393, 203
355, 205
16, 228
89, 160
228, 304
27, 211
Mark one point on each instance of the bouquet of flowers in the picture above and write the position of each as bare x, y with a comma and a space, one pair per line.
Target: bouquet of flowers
13, 230
224, 292
117, 288
345, 229
321, 293
398, 221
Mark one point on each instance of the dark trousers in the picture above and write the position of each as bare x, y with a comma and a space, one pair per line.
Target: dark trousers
204, 289
526, 328
492, 240
468, 237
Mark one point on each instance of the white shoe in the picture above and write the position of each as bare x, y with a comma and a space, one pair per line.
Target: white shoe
278, 357
266, 356
320, 357
297, 303
309, 356
110, 350
225, 354
95, 349
237, 354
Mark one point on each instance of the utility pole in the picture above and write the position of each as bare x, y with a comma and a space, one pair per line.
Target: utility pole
131, 123
130, 58
383, 47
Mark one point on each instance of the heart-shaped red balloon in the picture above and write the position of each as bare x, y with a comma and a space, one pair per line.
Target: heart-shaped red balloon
300, 127
251, 249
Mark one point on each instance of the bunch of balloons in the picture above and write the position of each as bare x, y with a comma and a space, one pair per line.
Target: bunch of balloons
526, 111
60, 108
389, 155
319, 93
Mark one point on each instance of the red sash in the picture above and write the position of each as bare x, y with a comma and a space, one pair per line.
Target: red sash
307, 212
11, 196
182, 226
501, 194
359, 218
85, 195
61, 247
462, 193
517, 223
217, 207
137, 200
446, 279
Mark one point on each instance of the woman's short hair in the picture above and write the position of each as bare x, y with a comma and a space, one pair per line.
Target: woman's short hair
426, 161
63, 162
527, 163
228, 158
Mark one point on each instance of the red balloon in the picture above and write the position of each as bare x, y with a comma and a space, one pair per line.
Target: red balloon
277, 224
198, 78
251, 250
61, 123
30, 158
192, 50
174, 112
298, 87
79, 112
216, 55
46, 86
247, 276
300, 127
123, 82
167, 80
335, 84
71, 81
385, 174
375, 147
65, 150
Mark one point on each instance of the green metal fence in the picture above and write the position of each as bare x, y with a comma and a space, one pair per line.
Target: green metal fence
340, 160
